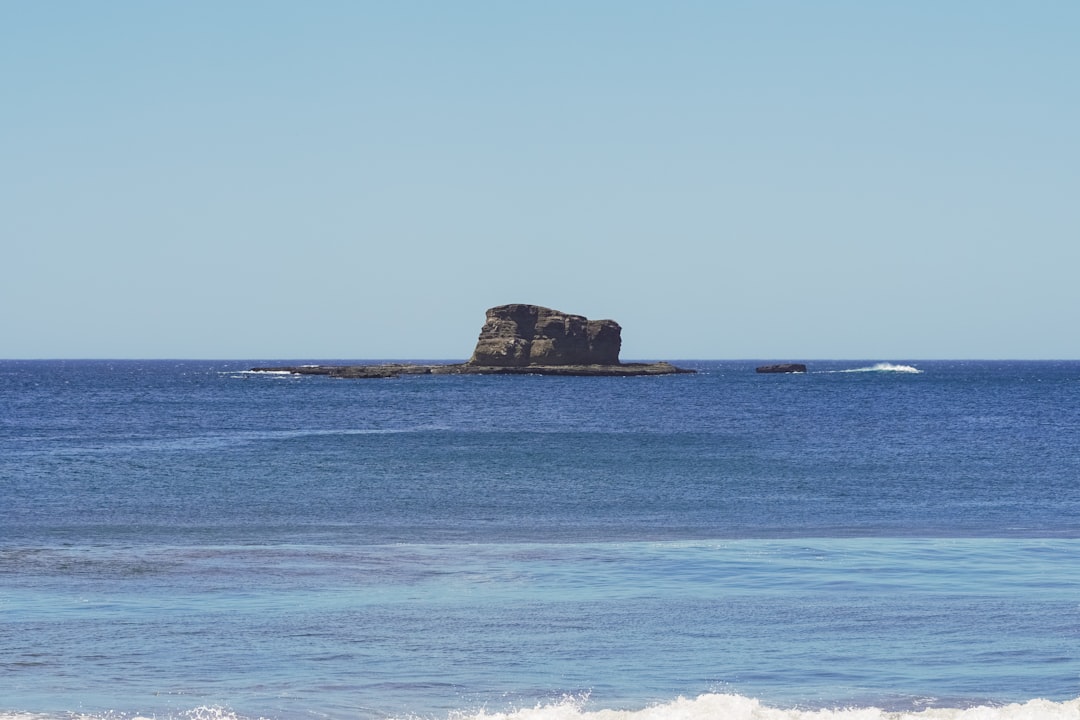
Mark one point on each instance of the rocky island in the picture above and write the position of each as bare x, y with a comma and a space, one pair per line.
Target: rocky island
520, 339
782, 368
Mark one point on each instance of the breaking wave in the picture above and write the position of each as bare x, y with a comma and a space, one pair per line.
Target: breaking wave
703, 707
882, 367
738, 707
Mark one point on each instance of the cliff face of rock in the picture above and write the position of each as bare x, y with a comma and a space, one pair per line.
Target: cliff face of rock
520, 340
527, 335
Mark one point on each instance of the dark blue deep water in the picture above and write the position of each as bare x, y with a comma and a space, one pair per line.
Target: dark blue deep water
190, 540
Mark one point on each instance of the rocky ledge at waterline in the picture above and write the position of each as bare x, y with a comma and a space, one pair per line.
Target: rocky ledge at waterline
520, 340
397, 370
782, 368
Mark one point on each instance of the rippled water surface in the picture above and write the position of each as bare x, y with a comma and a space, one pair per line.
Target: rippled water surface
189, 540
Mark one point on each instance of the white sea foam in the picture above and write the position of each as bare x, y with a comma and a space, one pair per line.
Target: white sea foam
704, 707
259, 372
882, 367
737, 707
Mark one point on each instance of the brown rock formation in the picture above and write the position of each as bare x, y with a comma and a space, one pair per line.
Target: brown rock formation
520, 340
529, 335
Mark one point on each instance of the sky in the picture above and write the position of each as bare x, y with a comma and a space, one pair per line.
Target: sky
785, 180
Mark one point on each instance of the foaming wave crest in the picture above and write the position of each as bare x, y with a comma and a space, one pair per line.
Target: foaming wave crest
704, 707
883, 367
737, 707
209, 712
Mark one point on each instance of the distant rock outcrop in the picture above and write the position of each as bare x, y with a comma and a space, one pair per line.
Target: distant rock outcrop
783, 368
526, 335
520, 340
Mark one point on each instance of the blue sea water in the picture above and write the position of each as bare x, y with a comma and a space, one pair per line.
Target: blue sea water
188, 540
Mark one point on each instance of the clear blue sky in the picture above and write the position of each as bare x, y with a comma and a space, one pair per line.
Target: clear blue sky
782, 180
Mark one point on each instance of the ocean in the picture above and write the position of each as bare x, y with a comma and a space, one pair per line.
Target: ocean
187, 540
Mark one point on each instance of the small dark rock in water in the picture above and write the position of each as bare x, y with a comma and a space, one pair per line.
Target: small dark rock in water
783, 368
